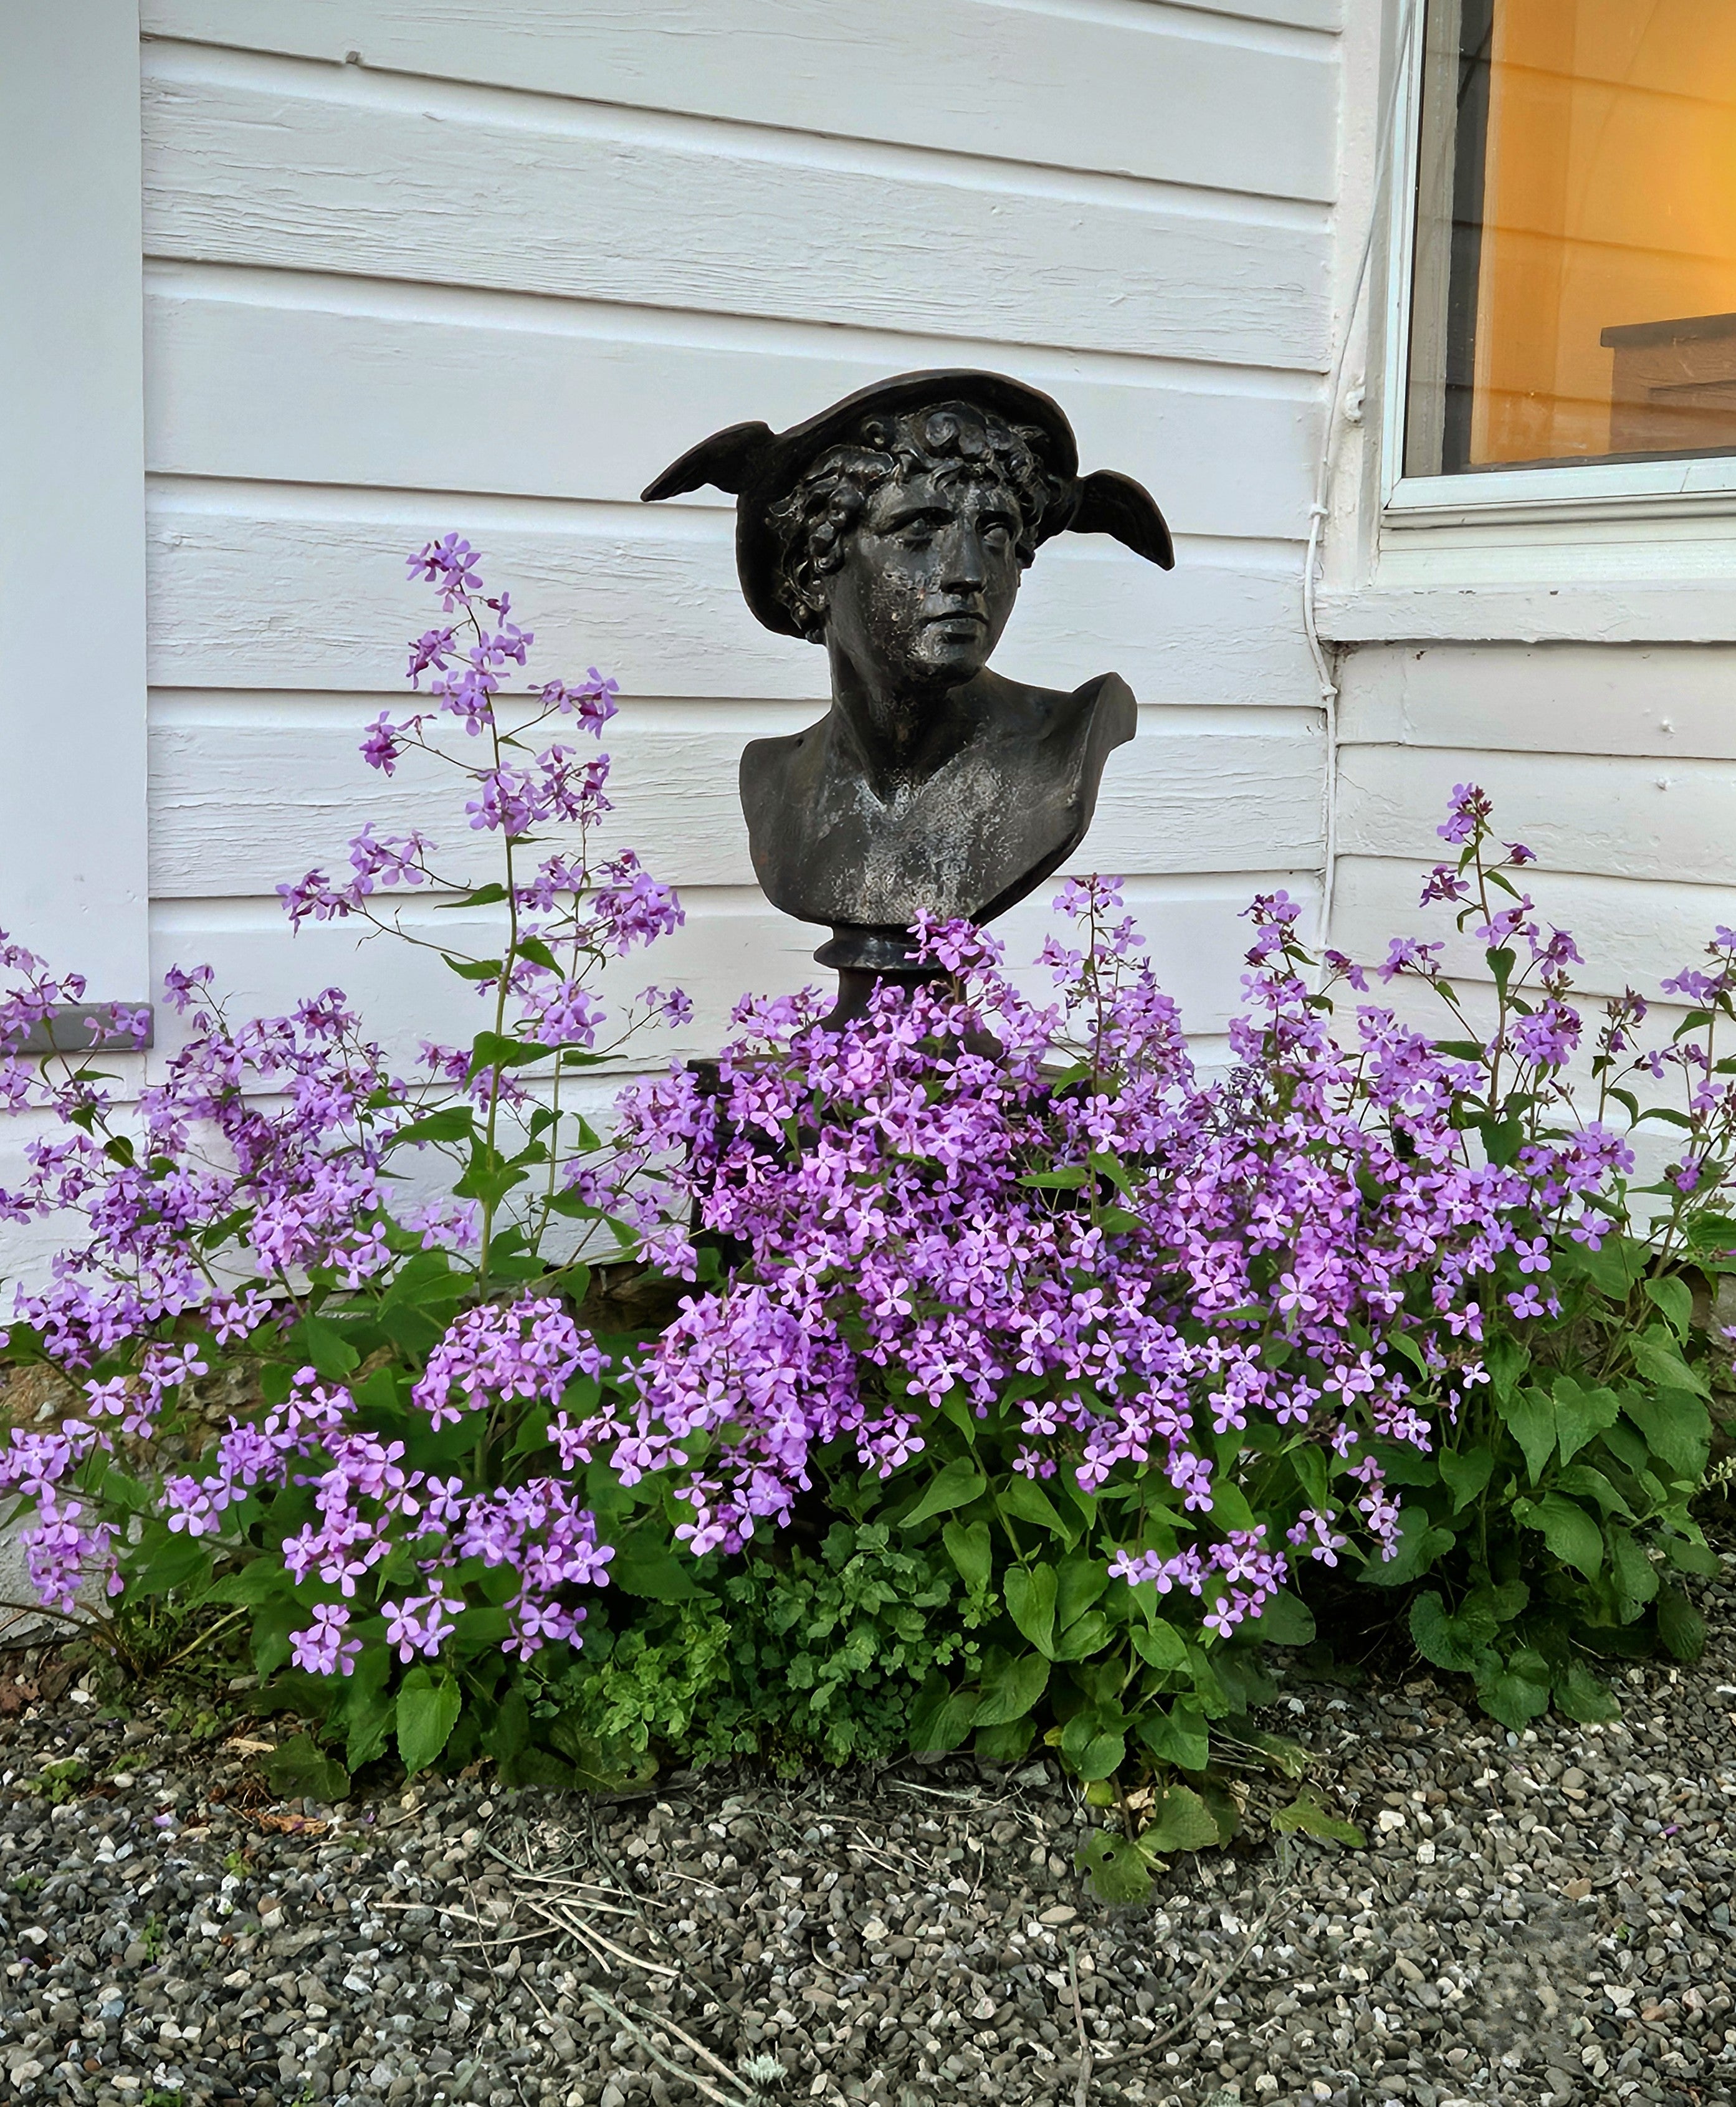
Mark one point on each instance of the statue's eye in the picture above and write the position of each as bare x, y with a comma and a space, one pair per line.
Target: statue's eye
997, 531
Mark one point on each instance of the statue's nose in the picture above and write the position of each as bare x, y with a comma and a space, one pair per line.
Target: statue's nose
964, 570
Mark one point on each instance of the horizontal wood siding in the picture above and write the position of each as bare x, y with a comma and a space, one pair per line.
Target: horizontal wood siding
1616, 764
497, 269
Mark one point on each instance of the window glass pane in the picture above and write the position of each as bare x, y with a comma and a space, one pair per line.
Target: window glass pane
1574, 296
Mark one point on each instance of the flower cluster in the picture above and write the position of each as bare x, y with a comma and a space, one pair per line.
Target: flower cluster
253, 1183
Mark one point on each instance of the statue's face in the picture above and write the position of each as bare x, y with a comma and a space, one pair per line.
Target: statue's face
928, 580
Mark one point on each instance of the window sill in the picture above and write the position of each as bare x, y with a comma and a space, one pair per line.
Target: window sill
1613, 491
1445, 610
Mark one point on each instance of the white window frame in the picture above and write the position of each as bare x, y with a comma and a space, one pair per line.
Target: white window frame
1615, 491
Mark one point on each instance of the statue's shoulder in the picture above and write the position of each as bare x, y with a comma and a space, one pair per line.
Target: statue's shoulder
772, 768
1101, 711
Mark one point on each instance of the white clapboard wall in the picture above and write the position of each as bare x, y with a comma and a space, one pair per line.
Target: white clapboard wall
487, 267
1615, 762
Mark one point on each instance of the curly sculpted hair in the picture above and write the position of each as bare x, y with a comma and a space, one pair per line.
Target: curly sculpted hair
948, 439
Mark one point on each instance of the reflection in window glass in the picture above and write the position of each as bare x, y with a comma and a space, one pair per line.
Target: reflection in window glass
1574, 295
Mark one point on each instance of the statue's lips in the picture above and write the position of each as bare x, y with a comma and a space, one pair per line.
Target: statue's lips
956, 615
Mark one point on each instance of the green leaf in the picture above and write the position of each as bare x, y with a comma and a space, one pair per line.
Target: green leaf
1530, 1415
1676, 1300
475, 969
1286, 1621
1449, 1641
260, 1580
1420, 1543
967, 1546
484, 895
941, 1717
452, 1123
1079, 1583
1580, 1696
1117, 1871
1635, 1575
1069, 1179
1689, 1556
1012, 1691
1179, 1737
1183, 1823
1517, 1694
1506, 1359
1102, 1756
1570, 1534
181, 1564
1026, 1502
955, 1486
1005, 1744
643, 1566
494, 1049
1615, 1268
1581, 1415
314, 1339
1677, 1429
509, 1731
537, 952
1084, 1637
1030, 1590
428, 1711
1230, 1507
1585, 1483
1680, 1625
300, 1769
1160, 1646
1657, 1359
1306, 1816
1465, 1473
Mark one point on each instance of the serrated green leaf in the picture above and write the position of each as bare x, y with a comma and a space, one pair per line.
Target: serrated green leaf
644, 1567
1450, 1641
955, 1485
1657, 1359
1579, 1695
941, 1717
1030, 1593
451, 1123
1635, 1575
1581, 1415
1465, 1473
1179, 1737
300, 1769
1673, 1297
1680, 1625
1305, 1816
1183, 1822
1118, 1872
1677, 1429
1012, 1690
1025, 1502
1530, 1416
1286, 1620
1159, 1645
428, 1709
1572, 1534
1688, 1556
1084, 1637
967, 1546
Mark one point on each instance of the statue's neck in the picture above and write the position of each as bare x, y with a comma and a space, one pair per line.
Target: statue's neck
900, 737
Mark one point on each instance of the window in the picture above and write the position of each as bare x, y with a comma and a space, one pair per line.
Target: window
1573, 294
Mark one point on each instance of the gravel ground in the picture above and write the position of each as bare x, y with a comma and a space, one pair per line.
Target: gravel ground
1538, 1919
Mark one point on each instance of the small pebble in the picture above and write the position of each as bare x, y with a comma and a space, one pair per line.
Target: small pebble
1539, 1916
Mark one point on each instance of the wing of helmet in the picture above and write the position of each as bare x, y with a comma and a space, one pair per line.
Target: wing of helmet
1109, 503
724, 460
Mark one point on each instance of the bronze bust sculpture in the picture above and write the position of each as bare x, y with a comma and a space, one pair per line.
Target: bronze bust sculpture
894, 529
